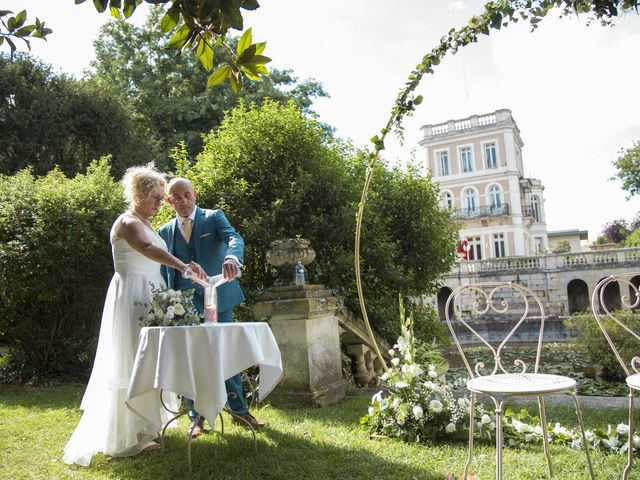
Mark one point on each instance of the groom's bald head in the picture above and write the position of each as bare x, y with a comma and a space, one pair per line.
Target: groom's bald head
182, 196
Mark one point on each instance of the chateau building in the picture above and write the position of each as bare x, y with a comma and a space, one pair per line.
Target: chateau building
478, 163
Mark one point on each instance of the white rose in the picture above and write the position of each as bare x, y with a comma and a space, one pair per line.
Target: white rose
178, 309
450, 428
485, 419
169, 314
417, 411
435, 406
171, 309
622, 429
400, 418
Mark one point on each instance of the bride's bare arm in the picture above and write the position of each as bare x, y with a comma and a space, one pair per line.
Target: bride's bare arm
132, 231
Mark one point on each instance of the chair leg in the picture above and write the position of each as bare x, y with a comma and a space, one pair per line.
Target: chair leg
472, 403
585, 442
499, 440
545, 436
630, 446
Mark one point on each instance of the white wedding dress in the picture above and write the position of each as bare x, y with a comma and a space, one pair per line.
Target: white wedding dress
107, 425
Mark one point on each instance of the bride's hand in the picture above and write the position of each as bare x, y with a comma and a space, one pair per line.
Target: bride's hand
198, 270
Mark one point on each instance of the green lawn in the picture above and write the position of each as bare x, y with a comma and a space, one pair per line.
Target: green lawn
306, 443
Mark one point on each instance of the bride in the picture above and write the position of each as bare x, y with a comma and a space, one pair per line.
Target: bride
107, 425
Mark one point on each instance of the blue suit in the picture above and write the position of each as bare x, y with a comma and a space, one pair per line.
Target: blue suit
212, 240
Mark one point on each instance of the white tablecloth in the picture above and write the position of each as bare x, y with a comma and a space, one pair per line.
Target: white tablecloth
195, 361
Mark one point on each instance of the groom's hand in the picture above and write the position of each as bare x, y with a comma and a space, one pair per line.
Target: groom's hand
230, 269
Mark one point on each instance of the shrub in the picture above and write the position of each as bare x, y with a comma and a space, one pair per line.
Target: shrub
279, 174
590, 337
55, 264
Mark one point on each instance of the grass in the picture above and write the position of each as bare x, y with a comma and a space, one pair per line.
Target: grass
306, 443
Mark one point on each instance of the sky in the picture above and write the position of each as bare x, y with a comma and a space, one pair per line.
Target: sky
572, 88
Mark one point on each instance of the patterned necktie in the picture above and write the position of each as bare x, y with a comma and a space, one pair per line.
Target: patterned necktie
186, 224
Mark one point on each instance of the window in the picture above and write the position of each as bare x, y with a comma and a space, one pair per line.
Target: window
446, 200
475, 248
466, 158
535, 208
538, 243
498, 245
490, 156
470, 200
442, 162
495, 198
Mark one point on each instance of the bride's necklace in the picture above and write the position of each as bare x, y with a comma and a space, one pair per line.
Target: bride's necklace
144, 220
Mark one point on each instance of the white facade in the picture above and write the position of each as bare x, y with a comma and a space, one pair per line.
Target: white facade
477, 162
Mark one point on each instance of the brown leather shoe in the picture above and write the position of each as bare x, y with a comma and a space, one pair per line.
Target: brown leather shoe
248, 419
196, 428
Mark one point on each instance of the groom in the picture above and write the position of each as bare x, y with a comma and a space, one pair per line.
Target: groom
206, 237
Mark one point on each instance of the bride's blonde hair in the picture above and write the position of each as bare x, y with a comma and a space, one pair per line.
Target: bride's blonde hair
140, 181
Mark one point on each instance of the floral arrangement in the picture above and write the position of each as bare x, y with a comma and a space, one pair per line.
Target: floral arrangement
418, 406
170, 307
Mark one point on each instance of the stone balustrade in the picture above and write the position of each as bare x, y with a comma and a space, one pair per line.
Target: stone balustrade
558, 261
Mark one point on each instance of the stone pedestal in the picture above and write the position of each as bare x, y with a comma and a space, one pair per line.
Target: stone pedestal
304, 323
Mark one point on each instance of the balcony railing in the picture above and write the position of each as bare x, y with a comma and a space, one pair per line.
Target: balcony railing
478, 212
556, 261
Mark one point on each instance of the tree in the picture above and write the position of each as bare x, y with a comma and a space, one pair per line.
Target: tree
614, 232
48, 119
628, 166
277, 174
170, 96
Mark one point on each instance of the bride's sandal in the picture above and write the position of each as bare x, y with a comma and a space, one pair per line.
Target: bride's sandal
152, 447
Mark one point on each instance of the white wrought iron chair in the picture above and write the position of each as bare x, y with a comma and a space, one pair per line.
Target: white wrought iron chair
601, 311
470, 305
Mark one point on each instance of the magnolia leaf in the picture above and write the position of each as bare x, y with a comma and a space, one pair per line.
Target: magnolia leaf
5, 12
219, 76
244, 42
78, 2
250, 4
20, 18
177, 41
248, 54
25, 31
1, 40
418, 100
115, 12
129, 8
251, 75
11, 44
101, 5
259, 60
234, 17
260, 69
170, 20
205, 53
260, 47
236, 82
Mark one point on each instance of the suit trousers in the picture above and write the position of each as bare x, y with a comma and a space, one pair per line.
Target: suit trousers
235, 396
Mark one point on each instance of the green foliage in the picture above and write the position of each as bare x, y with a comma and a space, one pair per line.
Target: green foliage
169, 95
14, 27
590, 337
562, 247
52, 120
55, 264
278, 174
628, 169
633, 240
200, 26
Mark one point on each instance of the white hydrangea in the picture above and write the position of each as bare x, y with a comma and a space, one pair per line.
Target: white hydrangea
417, 411
435, 406
485, 419
528, 438
622, 429
450, 428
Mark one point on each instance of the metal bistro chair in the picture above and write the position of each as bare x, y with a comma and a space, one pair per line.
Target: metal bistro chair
478, 301
601, 311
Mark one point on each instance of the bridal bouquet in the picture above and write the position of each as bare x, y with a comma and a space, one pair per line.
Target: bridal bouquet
169, 308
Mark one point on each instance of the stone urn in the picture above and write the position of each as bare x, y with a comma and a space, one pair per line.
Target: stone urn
285, 254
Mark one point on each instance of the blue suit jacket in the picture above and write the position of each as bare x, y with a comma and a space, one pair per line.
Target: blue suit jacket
214, 239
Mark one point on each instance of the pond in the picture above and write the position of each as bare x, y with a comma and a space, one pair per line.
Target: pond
557, 358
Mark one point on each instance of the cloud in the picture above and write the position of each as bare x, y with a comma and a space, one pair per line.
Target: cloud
456, 5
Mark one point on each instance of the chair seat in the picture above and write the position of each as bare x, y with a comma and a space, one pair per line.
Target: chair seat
521, 383
633, 381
